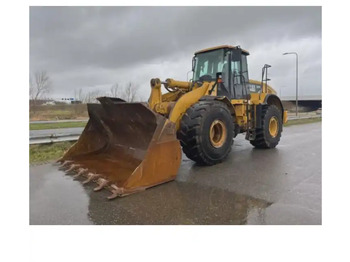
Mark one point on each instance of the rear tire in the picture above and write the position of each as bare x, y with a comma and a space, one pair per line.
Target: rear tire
269, 135
206, 132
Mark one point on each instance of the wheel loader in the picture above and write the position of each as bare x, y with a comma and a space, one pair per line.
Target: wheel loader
128, 147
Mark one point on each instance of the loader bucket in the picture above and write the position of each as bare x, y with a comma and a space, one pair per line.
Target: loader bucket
125, 147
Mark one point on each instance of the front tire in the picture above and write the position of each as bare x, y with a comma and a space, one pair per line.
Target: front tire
206, 132
269, 135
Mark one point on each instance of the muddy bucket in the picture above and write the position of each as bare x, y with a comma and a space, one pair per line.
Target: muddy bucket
125, 147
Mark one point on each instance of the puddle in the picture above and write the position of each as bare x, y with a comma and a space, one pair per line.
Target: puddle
55, 198
177, 203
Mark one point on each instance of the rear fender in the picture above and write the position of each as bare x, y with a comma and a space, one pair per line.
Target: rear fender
272, 99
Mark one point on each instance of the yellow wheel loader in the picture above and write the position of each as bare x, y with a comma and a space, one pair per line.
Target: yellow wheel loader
128, 147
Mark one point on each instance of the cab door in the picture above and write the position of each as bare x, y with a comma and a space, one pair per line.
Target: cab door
225, 88
239, 75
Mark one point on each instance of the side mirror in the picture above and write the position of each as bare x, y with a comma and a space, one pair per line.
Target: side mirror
193, 63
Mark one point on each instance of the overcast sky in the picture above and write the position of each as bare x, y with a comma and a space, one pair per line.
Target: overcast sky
93, 47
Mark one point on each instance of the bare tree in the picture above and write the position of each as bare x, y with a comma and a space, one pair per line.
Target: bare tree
40, 85
31, 88
130, 92
78, 95
115, 90
92, 95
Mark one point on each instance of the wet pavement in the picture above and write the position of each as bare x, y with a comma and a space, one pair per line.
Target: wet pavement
276, 186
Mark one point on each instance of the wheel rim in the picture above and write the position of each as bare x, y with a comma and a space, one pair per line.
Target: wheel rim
218, 133
273, 126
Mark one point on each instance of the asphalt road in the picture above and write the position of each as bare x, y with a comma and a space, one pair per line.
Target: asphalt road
276, 186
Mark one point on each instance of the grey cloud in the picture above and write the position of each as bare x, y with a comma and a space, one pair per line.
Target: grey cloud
78, 39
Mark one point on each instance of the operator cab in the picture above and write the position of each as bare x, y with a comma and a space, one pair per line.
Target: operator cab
228, 61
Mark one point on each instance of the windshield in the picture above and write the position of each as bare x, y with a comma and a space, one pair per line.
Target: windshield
208, 64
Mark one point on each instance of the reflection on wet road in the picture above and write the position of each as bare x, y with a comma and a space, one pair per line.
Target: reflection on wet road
279, 186
56, 198
176, 203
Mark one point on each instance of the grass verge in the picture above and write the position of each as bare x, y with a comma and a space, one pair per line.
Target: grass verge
41, 126
47, 152
303, 121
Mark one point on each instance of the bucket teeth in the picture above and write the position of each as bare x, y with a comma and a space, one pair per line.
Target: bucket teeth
65, 163
91, 176
116, 191
58, 162
81, 171
101, 184
72, 167
114, 195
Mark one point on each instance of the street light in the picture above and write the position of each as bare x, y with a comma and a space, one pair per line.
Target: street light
296, 88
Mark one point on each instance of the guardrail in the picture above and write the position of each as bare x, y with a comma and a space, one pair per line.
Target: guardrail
54, 138
57, 121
